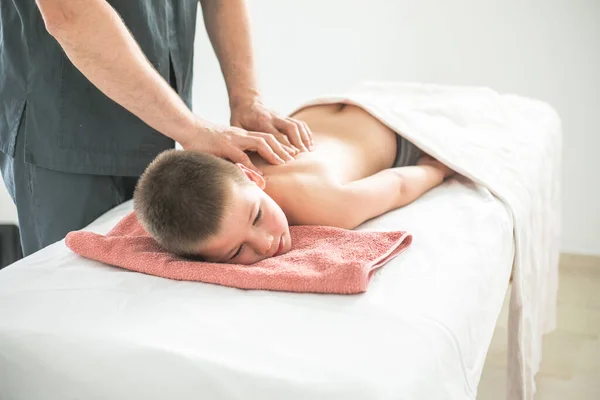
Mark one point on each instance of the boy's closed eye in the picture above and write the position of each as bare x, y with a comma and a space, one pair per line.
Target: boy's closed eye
258, 215
256, 220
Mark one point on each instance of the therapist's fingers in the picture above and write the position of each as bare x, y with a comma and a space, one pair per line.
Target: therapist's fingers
282, 151
262, 147
269, 128
285, 142
237, 155
303, 130
291, 130
308, 132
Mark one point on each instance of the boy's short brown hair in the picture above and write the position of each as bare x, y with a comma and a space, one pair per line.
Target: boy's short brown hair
181, 196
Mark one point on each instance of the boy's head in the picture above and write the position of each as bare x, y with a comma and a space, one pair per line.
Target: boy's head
196, 204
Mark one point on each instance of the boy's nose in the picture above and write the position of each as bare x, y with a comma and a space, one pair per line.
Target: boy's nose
263, 244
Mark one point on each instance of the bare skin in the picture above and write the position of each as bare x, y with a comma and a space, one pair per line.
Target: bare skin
347, 179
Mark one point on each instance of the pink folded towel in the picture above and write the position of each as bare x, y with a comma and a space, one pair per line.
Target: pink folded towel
322, 259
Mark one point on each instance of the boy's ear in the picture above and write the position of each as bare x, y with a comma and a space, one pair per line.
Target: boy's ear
252, 175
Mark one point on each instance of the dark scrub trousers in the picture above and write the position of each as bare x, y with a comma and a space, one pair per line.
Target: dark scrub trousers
67, 152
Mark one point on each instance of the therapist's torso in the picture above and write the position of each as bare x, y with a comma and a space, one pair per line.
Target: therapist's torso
69, 125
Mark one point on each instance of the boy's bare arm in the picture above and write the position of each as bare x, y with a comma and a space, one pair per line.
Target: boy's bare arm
348, 206
387, 190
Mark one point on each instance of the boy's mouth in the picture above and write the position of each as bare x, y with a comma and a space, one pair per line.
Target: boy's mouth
280, 247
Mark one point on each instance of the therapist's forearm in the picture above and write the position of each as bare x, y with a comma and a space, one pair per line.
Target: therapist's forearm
98, 43
228, 27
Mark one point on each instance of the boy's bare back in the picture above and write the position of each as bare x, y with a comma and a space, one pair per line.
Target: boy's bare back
350, 145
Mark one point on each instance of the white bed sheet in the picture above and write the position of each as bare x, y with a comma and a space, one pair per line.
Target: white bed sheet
74, 328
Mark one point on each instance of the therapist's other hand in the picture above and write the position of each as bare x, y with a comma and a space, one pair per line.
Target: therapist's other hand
251, 114
231, 143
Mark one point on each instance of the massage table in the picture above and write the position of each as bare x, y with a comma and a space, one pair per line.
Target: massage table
71, 327
75, 328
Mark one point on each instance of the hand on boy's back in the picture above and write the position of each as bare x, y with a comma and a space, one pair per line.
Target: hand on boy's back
231, 143
254, 128
253, 115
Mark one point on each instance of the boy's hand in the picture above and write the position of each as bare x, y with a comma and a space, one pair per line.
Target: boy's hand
428, 160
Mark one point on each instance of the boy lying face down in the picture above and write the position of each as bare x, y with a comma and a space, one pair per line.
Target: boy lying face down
199, 205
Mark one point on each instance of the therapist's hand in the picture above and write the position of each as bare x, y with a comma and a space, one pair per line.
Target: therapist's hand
231, 143
251, 114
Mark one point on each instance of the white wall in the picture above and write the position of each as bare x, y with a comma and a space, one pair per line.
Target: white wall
546, 49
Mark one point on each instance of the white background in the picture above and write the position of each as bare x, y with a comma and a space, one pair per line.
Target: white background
545, 49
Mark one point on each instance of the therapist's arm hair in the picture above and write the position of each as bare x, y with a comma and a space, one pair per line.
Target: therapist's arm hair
97, 42
228, 28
